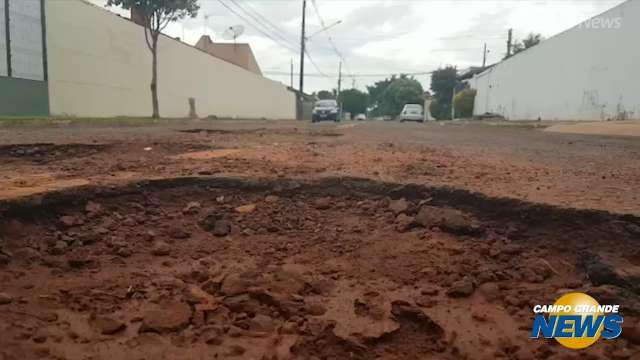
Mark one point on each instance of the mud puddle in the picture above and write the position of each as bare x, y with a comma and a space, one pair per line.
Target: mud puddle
332, 269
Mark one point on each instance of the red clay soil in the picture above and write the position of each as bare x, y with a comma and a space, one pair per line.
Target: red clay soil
222, 268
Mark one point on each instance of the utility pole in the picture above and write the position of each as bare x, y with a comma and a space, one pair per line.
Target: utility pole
292, 73
509, 42
302, 45
484, 56
339, 86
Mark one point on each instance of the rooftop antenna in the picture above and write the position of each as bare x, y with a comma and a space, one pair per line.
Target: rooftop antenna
233, 32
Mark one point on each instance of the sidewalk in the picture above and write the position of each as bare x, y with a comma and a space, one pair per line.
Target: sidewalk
617, 128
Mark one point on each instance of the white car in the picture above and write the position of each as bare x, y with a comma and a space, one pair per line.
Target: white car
361, 117
412, 112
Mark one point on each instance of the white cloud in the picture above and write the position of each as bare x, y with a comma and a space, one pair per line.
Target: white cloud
384, 36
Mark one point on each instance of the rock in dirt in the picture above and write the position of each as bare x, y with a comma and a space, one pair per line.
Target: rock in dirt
271, 199
322, 203
106, 325
221, 228
601, 272
404, 223
246, 209
81, 262
490, 291
4, 258
450, 220
160, 248
167, 317
93, 208
461, 288
192, 208
5, 299
403, 311
68, 221
399, 206
178, 232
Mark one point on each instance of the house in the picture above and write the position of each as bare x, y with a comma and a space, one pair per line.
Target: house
239, 54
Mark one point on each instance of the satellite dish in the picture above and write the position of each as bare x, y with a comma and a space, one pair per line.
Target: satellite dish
233, 32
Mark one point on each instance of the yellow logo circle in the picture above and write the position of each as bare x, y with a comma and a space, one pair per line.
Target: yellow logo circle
578, 301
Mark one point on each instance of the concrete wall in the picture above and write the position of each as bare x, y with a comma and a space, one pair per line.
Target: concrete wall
586, 73
100, 66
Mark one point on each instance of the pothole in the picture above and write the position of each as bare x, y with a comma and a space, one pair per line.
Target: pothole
44, 152
341, 268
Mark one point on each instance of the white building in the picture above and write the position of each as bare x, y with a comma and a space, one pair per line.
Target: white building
588, 72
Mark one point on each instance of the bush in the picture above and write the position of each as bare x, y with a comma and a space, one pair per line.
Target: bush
440, 111
463, 101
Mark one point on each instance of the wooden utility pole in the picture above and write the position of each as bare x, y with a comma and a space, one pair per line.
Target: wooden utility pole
509, 42
302, 45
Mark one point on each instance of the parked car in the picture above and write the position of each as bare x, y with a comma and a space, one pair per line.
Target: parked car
326, 110
361, 117
412, 112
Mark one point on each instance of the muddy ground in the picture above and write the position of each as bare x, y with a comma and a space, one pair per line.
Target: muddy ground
258, 240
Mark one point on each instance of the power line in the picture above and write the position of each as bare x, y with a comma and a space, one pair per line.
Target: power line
266, 25
280, 42
279, 72
324, 26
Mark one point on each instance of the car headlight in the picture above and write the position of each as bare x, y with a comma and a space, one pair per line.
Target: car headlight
334, 111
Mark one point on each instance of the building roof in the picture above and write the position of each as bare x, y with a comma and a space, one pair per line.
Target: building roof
238, 54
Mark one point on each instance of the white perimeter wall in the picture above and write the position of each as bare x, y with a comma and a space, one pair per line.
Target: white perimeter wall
581, 74
100, 66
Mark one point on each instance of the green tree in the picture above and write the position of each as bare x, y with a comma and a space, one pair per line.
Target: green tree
354, 101
443, 82
400, 92
376, 93
325, 95
157, 14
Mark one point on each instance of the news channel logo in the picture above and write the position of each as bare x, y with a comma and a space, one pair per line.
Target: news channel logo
577, 321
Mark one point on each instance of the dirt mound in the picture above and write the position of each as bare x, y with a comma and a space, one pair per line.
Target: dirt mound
45, 152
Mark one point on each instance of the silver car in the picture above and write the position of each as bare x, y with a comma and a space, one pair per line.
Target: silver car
412, 112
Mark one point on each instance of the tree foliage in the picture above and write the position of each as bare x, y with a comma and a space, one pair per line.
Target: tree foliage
388, 96
156, 15
326, 95
401, 92
376, 93
354, 101
463, 102
530, 41
443, 82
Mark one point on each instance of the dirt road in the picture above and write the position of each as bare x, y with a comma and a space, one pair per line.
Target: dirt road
283, 240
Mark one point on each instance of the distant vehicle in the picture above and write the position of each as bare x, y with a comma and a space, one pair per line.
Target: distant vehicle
326, 110
361, 117
412, 112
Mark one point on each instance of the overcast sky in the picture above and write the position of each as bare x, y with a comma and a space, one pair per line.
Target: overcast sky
381, 36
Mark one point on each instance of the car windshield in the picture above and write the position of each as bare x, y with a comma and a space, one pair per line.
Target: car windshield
413, 107
326, 103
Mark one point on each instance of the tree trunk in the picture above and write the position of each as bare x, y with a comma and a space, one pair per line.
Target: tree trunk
154, 79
